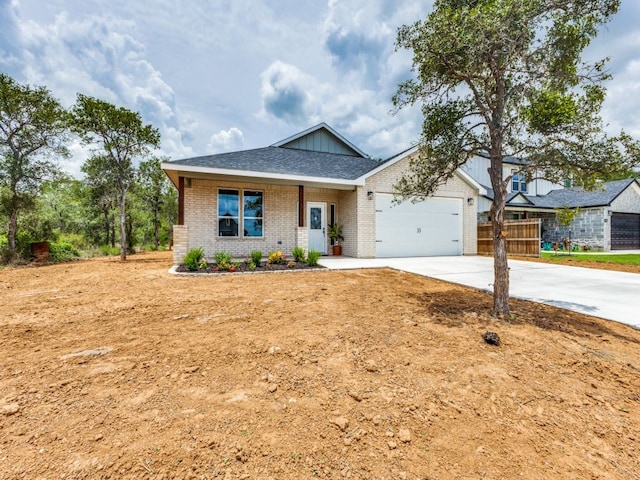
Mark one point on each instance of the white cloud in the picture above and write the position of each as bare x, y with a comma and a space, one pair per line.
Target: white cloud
226, 141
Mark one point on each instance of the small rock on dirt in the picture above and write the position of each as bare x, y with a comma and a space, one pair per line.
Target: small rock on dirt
10, 409
371, 366
274, 349
404, 435
341, 422
392, 445
272, 388
491, 338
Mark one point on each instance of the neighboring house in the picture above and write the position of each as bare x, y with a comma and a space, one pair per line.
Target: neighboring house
286, 195
609, 217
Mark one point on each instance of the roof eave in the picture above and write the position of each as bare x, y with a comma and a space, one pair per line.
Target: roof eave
174, 171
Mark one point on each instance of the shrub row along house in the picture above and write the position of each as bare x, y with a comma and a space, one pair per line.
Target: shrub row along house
288, 194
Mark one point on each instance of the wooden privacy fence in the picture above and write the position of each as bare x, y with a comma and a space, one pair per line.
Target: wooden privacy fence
523, 237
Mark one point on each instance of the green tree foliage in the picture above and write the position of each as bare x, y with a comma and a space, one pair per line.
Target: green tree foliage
505, 78
121, 137
33, 129
155, 192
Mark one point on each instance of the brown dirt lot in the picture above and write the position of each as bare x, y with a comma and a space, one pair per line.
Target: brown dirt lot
120, 370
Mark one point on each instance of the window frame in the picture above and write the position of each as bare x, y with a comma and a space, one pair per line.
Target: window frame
245, 218
240, 218
519, 181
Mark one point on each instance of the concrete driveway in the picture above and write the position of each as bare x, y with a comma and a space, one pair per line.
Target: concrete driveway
601, 293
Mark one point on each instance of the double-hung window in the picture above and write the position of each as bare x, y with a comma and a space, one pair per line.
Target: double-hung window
240, 214
518, 182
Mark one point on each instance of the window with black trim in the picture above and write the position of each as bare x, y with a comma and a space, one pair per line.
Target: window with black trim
240, 214
252, 213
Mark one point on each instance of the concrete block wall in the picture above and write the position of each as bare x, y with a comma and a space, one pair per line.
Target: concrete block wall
383, 182
590, 227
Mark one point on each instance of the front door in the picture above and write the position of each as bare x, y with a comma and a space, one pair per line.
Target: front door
316, 213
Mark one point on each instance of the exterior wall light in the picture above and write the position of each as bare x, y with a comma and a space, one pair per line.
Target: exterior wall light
370, 195
470, 201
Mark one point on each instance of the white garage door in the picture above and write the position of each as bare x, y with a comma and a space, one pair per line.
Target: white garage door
424, 229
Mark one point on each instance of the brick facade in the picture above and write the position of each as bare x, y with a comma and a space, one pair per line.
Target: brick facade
354, 211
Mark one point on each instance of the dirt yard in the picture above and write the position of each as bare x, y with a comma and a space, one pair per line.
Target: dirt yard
121, 370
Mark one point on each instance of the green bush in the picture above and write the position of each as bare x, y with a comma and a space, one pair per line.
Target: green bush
109, 251
298, 254
192, 259
222, 258
312, 257
256, 257
62, 252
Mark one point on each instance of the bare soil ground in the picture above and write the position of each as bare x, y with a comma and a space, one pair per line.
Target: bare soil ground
121, 370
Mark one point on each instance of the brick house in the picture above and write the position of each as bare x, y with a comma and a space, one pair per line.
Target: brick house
287, 195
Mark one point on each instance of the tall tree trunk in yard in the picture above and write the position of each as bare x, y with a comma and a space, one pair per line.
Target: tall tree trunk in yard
123, 224
12, 232
500, 264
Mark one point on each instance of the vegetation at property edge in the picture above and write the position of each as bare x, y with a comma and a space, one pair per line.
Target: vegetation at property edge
124, 201
621, 259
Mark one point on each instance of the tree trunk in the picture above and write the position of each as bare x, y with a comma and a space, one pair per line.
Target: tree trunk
500, 264
12, 231
156, 226
123, 224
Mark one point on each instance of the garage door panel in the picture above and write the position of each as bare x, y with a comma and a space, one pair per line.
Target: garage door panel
429, 228
625, 231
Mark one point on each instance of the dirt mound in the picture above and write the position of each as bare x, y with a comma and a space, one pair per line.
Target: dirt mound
120, 370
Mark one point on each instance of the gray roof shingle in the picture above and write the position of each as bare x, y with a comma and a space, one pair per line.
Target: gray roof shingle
286, 161
577, 197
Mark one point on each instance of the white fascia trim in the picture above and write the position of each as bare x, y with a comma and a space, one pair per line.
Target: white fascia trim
260, 175
401, 156
388, 163
469, 179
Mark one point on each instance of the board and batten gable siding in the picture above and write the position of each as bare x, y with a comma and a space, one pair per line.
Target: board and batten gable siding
320, 141
383, 181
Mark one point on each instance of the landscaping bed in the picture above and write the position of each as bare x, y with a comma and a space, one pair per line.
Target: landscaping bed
246, 267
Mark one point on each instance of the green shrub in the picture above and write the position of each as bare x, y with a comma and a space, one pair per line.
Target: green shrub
109, 251
62, 252
256, 257
312, 257
222, 258
192, 259
298, 254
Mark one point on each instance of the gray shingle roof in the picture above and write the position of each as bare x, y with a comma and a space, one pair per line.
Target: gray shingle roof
577, 197
286, 161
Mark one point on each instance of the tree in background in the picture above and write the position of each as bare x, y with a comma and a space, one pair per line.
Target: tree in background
154, 189
101, 200
121, 137
33, 131
505, 78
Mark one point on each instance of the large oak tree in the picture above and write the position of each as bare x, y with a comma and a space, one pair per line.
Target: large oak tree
502, 78
33, 129
120, 137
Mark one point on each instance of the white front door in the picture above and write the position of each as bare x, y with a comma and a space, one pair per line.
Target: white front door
317, 218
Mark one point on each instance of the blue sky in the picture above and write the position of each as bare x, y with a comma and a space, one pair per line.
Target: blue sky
222, 75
